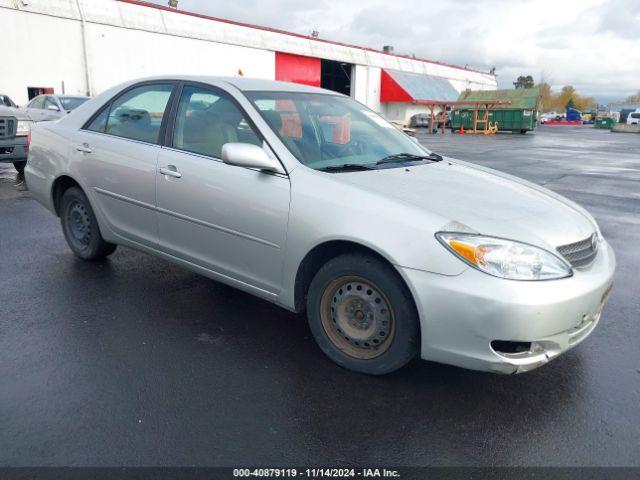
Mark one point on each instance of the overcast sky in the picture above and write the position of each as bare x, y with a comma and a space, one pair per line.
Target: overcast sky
593, 45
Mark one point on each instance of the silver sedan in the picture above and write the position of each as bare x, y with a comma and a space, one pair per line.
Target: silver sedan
308, 199
52, 107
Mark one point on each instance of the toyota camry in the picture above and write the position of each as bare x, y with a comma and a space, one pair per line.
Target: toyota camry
308, 199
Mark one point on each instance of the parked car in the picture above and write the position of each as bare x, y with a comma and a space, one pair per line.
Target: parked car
623, 114
633, 118
52, 107
424, 120
14, 137
545, 117
5, 101
308, 199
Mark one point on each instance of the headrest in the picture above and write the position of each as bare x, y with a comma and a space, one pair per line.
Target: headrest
199, 125
141, 117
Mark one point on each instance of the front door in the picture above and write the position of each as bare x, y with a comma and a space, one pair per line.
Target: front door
116, 155
51, 109
227, 219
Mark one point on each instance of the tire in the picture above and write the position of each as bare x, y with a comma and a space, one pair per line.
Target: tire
80, 227
362, 315
19, 166
523, 132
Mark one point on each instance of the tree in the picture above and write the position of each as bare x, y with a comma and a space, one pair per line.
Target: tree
585, 103
546, 96
635, 98
566, 94
568, 97
524, 82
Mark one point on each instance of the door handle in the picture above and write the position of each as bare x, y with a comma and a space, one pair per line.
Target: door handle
84, 148
170, 171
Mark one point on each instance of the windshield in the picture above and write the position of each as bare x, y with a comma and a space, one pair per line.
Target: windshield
328, 130
69, 103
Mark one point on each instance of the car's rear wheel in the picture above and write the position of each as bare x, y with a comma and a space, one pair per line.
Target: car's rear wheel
80, 226
19, 166
362, 315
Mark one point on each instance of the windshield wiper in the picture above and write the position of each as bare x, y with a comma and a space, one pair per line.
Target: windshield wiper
409, 157
345, 167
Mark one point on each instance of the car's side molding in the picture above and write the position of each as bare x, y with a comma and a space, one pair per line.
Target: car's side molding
124, 198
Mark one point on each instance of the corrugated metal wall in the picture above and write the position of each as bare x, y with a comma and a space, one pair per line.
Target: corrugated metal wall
126, 40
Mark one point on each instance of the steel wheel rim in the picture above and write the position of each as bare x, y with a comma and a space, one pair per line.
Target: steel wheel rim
357, 317
79, 224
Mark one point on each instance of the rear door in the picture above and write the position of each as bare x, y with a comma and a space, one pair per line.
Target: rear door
227, 219
116, 154
35, 108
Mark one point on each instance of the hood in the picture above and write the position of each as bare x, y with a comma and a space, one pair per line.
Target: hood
483, 200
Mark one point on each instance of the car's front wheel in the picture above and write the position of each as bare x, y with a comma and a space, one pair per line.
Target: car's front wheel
80, 226
362, 315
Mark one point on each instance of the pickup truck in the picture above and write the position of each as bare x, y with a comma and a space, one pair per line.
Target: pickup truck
15, 126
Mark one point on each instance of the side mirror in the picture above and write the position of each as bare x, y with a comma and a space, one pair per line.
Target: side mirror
249, 156
53, 108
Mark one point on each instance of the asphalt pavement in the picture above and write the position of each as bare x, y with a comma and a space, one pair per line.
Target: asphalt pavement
135, 361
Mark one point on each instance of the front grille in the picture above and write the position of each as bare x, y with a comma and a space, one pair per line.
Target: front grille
7, 127
580, 253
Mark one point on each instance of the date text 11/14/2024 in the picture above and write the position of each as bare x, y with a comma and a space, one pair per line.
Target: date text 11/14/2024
314, 473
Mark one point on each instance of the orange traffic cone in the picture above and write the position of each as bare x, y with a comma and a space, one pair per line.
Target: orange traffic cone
461, 129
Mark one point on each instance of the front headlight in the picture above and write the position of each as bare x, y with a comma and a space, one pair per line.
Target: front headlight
505, 258
24, 127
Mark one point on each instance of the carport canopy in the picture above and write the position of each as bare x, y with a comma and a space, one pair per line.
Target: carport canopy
397, 86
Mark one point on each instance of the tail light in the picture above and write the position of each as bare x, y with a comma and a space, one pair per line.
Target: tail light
28, 140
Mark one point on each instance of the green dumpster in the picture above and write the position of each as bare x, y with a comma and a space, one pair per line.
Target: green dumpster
518, 116
605, 123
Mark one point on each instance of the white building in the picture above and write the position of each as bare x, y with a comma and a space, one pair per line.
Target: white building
87, 46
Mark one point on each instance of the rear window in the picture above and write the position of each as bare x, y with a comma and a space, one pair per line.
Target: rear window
136, 114
69, 103
635, 115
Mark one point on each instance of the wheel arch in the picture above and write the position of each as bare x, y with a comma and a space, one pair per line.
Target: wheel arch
321, 254
60, 185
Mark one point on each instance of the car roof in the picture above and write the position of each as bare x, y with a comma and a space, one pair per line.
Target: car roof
62, 95
244, 84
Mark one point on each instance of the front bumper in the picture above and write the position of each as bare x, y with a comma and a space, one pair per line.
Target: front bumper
13, 150
462, 315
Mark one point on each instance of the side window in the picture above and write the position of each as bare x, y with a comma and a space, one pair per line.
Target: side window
138, 113
208, 119
99, 124
37, 102
48, 102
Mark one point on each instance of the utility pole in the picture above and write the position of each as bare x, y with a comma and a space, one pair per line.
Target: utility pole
83, 26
